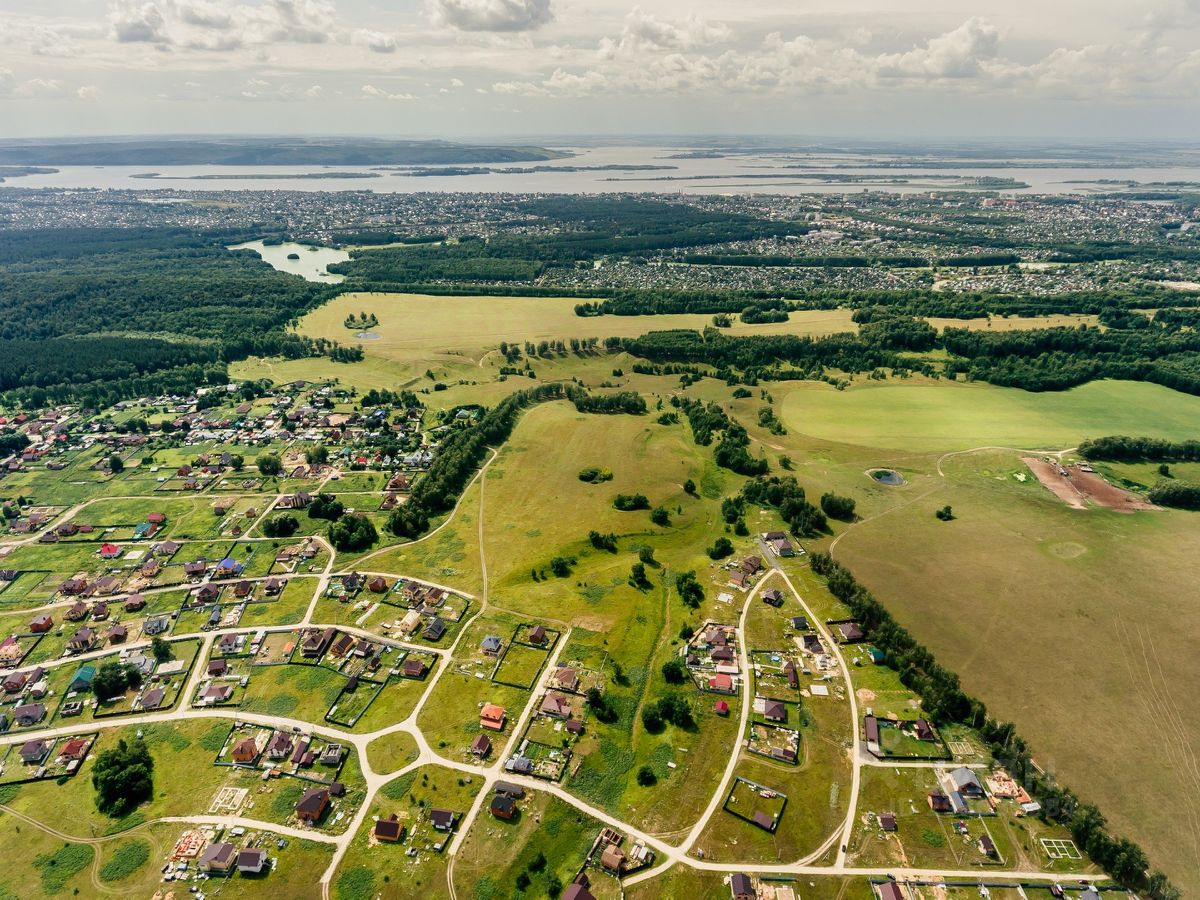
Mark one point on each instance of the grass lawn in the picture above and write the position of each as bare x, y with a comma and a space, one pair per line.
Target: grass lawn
521, 665
682, 881
287, 608
547, 841
293, 691
385, 869
391, 751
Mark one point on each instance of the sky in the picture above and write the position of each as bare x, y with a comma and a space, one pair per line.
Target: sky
499, 69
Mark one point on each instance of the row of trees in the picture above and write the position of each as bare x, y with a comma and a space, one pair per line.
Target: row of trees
464, 450
1122, 448
946, 702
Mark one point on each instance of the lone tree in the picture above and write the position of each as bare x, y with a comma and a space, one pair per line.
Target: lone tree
268, 464
110, 681
116, 465
123, 777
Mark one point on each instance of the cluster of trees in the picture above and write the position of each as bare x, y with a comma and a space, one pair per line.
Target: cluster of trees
785, 494
602, 541
691, 592
761, 315
100, 314
113, 679
269, 464
281, 526
123, 777
326, 506
631, 502
945, 701
1178, 494
1121, 448
352, 533
838, 507
464, 450
822, 262
595, 475
671, 709
709, 420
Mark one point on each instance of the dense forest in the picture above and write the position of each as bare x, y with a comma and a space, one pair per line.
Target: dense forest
99, 314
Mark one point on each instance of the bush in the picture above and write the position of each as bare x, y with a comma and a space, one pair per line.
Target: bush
594, 475
660, 516
630, 502
646, 777
721, 549
674, 671
689, 487
280, 526
127, 859
837, 507
561, 565
946, 514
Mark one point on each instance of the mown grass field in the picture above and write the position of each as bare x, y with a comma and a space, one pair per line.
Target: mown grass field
925, 416
420, 322
1072, 623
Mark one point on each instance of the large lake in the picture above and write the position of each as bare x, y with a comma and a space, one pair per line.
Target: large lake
774, 172
311, 262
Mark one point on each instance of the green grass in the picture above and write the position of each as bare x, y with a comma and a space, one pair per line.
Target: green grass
944, 416
385, 869
1085, 604
391, 751
125, 861
59, 867
494, 852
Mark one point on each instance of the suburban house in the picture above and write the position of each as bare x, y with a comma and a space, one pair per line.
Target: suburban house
775, 711
722, 684
442, 819
41, 624
245, 751
492, 716
850, 632
537, 635
250, 861
414, 667
481, 747
82, 641
28, 714
34, 751
218, 858
312, 804
742, 887
153, 698
434, 630
388, 829
503, 806
556, 705
491, 645
315, 643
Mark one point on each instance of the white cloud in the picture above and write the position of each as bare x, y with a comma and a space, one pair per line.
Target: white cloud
135, 22
375, 41
956, 54
492, 15
88, 92
645, 32
7, 81
39, 88
370, 92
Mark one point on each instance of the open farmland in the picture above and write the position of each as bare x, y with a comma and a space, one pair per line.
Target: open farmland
928, 416
1094, 660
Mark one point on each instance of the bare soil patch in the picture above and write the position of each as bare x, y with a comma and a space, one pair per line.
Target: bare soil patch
1076, 487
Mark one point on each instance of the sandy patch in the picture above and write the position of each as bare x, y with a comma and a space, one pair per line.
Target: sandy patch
1077, 488
865, 695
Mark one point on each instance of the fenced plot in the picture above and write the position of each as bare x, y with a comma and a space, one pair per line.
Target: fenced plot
520, 666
